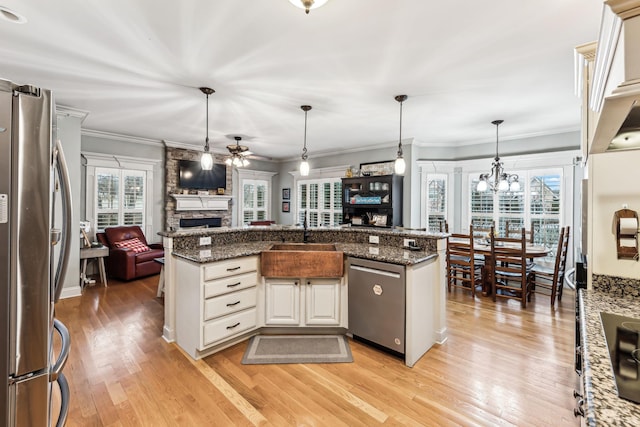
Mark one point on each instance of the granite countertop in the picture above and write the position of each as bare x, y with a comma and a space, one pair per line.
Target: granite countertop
384, 253
602, 404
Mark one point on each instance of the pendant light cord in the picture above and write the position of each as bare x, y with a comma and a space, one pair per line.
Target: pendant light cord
400, 139
304, 148
206, 141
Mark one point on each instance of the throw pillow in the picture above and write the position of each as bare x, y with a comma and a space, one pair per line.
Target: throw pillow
134, 244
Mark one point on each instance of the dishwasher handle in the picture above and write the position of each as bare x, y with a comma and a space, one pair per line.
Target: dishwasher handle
375, 271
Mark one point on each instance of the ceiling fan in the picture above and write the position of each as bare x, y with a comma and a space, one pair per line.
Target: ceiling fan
239, 154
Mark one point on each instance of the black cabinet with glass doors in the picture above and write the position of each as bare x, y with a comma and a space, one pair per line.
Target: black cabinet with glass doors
372, 200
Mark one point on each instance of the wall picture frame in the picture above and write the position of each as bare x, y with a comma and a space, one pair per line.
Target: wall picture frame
286, 207
377, 168
286, 194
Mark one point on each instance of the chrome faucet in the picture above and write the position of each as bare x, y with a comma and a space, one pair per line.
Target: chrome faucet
306, 234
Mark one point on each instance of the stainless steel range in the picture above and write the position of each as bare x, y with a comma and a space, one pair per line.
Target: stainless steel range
623, 341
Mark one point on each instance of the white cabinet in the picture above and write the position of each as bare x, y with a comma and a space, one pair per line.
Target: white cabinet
282, 302
215, 302
303, 302
323, 302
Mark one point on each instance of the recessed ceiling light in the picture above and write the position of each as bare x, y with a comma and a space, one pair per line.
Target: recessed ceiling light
11, 16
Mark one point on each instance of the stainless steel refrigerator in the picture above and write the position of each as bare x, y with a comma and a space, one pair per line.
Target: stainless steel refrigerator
34, 254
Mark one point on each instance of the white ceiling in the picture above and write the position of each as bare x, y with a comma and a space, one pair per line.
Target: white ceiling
136, 65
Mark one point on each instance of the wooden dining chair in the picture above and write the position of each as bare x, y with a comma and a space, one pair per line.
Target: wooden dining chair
514, 231
550, 280
444, 227
462, 271
510, 276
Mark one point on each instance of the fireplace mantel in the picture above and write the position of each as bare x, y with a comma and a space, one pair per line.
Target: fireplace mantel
195, 202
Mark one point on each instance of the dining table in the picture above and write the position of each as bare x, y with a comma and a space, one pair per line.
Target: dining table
482, 247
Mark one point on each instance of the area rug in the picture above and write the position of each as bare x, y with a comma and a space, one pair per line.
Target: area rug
271, 349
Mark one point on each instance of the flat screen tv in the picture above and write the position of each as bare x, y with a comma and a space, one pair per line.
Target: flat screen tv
191, 176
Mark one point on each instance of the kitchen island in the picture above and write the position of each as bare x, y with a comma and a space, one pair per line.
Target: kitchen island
602, 405
426, 287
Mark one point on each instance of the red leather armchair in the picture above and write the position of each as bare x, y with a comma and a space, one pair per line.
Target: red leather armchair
125, 263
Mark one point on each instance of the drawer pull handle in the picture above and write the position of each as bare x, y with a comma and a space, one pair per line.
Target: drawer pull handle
234, 268
233, 303
233, 285
233, 326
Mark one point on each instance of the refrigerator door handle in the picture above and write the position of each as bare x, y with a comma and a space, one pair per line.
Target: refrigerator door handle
63, 262
56, 369
64, 401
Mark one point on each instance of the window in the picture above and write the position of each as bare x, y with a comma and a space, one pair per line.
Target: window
536, 206
255, 197
322, 200
436, 185
120, 191
120, 197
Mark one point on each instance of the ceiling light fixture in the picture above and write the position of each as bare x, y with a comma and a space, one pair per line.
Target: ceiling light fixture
206, 160
237, 154
304, 165
498, 179
308, 4
400, 165
11, 16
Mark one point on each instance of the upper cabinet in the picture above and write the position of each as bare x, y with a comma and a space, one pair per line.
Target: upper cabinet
614, 93
372, 200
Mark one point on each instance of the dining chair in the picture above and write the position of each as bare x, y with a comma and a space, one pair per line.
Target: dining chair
511, 231
510, 276
462, 270
444, 226
551, 280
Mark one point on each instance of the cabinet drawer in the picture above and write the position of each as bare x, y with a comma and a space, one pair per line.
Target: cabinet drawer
227, 326
229, 284
230, 267
229, 303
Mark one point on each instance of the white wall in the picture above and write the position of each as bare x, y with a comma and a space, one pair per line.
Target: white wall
69, 135
613, 181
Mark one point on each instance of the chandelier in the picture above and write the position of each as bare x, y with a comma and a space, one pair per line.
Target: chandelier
498, 179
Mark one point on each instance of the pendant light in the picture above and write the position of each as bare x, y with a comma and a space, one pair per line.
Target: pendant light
308, 4
498, 179
400, 164
206, 160
304, 165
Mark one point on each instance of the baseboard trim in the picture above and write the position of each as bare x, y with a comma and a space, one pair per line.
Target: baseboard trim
70, 292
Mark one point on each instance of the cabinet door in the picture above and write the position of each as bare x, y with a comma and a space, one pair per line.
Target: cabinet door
322, 302
282, 302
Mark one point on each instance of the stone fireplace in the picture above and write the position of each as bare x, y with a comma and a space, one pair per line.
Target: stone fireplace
192, 216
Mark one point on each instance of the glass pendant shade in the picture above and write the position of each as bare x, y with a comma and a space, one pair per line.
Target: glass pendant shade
206, 161
504, 185
308, 4
400, 166
304, 168
482, 185
515, 186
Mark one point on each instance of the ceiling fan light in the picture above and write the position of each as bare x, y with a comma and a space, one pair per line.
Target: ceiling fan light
228, 161
245, 162
304, 168
206, 161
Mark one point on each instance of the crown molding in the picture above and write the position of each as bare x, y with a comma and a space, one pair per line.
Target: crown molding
120, 137
63, 110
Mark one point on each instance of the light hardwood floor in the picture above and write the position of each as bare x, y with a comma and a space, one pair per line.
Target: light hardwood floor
500, 366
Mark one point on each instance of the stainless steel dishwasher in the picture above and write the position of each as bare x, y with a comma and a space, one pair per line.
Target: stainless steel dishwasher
377, 303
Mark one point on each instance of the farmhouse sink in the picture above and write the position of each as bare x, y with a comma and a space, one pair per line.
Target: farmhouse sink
312, 260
